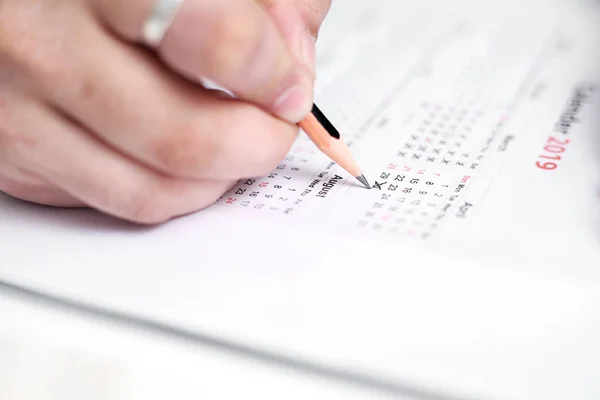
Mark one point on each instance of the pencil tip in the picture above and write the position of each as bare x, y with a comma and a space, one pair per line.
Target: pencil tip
364, 181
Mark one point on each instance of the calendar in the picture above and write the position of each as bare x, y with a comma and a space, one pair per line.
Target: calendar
433, 119
468, 270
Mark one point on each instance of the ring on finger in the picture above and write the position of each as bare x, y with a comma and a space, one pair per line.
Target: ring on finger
159, 21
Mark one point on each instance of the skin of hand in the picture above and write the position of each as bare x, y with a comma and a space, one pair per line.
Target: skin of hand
90, 117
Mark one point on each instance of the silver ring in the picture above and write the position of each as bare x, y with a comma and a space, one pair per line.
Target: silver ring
160, 19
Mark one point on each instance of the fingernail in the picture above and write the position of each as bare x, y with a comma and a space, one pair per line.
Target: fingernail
294, 104
309, 51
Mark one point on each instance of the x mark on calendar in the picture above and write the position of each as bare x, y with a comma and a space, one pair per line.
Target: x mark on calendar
436, 140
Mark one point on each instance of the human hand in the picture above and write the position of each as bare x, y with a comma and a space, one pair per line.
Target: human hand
89, 117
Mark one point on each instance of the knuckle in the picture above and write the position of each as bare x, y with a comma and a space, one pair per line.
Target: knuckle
268, 142
19, 44
12, 35
39, 53
5, 129
146, 207
10, 187
118, 16
13, 140
313, 13
23, 188
273, 154
237, 39
159, 204
185, 150
271, 161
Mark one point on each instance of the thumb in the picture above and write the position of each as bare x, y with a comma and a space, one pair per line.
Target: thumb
233, 43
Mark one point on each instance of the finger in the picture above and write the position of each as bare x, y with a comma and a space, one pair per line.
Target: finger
300, 40
134, 105
312, 13
89, 170
15, 179
34, 190
231, 42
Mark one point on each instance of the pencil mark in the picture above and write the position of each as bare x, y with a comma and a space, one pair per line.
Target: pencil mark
378, 185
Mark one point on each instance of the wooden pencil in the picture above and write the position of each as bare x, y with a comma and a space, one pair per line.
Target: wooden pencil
327, 138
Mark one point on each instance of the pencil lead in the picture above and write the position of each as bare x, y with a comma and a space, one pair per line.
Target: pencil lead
364, 181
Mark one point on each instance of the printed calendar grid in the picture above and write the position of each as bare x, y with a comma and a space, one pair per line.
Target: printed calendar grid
434, 152
420, 187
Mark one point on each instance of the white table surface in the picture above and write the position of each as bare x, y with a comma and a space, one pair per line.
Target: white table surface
51, 352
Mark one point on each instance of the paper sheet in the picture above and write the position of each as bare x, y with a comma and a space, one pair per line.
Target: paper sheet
471, 269
476, 135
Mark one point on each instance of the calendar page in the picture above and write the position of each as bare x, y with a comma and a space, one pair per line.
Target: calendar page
471, 269
477, 135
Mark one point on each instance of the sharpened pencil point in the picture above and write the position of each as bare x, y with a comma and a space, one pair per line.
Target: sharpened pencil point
364, 181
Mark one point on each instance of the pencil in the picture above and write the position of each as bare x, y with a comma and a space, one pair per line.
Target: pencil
326, 137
